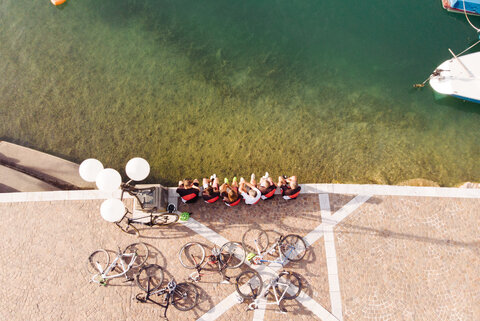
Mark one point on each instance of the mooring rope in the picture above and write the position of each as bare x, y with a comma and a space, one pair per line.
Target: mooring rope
476, 43
466, 16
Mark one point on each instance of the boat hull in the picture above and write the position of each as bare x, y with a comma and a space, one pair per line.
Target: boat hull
458, 78
472, 7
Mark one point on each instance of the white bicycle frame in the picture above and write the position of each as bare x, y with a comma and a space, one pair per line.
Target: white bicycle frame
104, 274
259, 257
271, 284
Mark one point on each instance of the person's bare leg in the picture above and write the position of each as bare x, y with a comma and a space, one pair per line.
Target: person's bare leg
206, 181
223, 188
235, 183
180, 183
270, 180
292, 179
263, 182
252, 180
216, 181
281, 181
242, 187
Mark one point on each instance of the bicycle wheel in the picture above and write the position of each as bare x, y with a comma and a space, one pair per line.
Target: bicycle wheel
165, 219
191, 255
142, 253
128, 228
293, 247
290, 283
255, 237
99, 259
185, 296
152, 274
232, 255
249, 284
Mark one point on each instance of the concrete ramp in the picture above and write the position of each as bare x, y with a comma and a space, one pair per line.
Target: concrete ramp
15, 181
53, 171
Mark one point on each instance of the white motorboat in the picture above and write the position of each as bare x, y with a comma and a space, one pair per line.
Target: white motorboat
458, 77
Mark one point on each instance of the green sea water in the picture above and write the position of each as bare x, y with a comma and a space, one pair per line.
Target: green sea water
318, 89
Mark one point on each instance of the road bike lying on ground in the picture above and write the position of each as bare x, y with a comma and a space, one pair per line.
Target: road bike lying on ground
229, 256
291, 247
183, 296
284, 286
133, 256
149, 218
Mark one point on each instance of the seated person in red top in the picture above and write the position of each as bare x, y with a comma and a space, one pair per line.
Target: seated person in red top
229, 193
267, 186
249, 192
289, 186
210, 193
188, 190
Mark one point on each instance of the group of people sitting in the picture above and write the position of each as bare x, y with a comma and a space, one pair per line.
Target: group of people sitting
232, 194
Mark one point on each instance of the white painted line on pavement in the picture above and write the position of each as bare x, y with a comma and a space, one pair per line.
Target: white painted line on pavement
259, 312
331, 255
314, 235
346, 210
220, 308
316, 308
204, 231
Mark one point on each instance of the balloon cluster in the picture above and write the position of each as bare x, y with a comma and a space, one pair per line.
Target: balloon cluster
109, 180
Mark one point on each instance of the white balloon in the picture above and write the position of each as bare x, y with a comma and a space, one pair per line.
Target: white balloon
112, 210
108, 180
137, 169
89, 169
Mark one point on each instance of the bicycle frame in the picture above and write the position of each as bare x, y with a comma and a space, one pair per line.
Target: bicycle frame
152, 215
278, 298
104, 274
281, 260
195, 276
169, 290
133, 191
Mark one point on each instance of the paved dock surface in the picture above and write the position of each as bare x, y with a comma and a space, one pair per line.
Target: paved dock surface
370, 257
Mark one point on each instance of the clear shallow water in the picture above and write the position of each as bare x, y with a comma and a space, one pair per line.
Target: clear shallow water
323, 90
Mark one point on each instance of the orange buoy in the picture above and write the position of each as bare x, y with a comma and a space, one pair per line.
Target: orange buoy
58, 2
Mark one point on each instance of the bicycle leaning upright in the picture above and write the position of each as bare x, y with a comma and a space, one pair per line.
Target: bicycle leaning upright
183, 296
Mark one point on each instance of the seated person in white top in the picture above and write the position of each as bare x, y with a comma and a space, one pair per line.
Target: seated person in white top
249, 192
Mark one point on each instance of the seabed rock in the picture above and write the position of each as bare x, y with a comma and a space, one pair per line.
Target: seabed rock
469, 185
